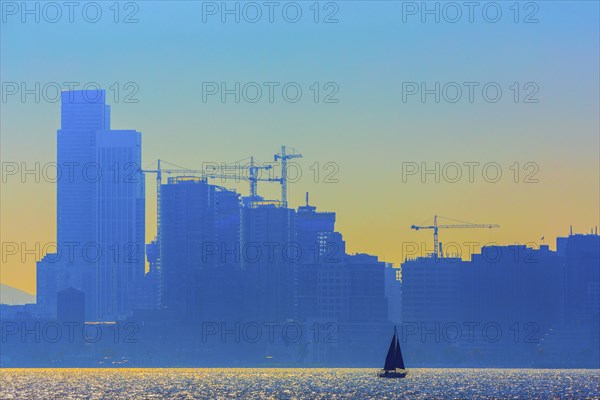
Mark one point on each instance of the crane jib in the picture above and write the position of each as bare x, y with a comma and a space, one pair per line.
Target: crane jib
436, 227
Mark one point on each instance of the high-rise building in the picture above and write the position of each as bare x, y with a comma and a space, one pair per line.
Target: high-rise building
495, 285
187, 214
343, 293
393, 292
313, 234
51, 277
70, 305
199, 249
455, 310
100, 208
582, 276
269, 261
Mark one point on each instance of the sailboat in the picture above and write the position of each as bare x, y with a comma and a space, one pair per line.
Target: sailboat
394, 364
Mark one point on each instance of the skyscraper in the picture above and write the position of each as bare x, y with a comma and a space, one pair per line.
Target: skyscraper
199, 248
187, 212
100, 208
314, 231
267, 240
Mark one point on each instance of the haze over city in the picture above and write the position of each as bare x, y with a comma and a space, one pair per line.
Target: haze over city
290, 199
369, 133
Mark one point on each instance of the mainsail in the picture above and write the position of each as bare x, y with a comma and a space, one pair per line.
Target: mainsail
394, 360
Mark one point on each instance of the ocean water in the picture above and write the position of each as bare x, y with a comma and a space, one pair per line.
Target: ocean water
297, 384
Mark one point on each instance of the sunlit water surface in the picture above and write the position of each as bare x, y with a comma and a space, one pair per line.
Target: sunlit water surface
296, 383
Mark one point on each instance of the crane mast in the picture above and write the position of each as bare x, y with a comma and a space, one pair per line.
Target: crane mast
252, 175
284, 157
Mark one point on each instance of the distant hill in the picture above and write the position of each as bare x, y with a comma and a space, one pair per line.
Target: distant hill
12, 296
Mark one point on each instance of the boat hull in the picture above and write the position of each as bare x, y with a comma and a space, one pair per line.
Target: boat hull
392, 374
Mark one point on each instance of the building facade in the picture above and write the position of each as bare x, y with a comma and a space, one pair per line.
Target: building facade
100, 210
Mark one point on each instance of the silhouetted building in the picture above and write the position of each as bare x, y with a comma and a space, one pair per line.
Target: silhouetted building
367, 300
431, 289
187, 228
71, 305
313, 231
338, 291
514, 284
502, 283
199, 249
582, 276
51, 278
393, 292
228, 278
268, 258
574, 341
100, 209
492, 309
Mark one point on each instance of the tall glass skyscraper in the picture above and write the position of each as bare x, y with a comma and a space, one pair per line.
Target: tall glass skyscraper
100, 209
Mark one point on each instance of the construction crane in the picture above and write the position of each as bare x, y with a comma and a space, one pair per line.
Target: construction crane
252, 177
284, 157
436, 245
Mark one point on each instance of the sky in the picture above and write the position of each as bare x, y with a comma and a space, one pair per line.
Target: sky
367, 124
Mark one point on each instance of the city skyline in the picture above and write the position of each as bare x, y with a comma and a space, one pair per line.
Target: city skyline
420, 246
223, 264
218, 256
465, 245
299, 199
369, 133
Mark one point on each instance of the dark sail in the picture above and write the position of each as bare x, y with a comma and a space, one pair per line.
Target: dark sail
394, 360
398, 360
390, 358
